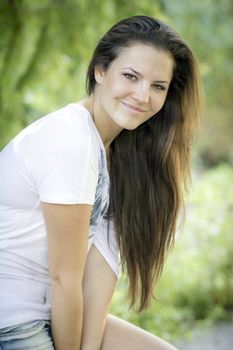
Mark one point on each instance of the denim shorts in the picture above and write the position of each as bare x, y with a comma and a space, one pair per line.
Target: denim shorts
33, 335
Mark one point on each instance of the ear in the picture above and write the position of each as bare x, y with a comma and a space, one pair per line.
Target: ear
99, 73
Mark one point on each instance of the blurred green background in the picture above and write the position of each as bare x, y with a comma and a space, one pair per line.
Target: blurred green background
45, 47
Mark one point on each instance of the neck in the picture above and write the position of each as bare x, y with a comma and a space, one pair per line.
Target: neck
107, 129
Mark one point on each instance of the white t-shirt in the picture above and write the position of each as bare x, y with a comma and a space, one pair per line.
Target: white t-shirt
60, 158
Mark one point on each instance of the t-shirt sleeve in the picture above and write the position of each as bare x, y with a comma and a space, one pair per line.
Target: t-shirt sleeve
106, 243
64, 160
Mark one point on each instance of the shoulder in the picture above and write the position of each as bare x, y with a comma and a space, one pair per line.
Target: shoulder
63, 122
63, 131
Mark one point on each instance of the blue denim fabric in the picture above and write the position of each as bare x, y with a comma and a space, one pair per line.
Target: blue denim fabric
33, 335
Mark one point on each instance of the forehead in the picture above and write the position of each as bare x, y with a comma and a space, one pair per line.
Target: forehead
146, 59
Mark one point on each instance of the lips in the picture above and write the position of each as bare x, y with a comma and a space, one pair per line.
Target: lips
132, 107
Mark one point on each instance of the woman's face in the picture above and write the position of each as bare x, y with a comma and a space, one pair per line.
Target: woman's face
134, 87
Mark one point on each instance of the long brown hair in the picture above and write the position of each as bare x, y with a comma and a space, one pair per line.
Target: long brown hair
149, 166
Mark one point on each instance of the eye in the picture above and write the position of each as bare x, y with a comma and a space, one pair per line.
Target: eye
130, 76
159, 87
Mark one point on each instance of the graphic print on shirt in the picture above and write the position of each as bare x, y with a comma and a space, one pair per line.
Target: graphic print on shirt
101, 196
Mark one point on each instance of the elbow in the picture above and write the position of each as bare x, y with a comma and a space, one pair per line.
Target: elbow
67, 281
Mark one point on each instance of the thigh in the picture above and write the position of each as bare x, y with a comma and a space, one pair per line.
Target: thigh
33, 335
123, 335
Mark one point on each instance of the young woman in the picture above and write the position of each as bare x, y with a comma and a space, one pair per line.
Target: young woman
62, 224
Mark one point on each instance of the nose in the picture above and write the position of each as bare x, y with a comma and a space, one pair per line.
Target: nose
142, 93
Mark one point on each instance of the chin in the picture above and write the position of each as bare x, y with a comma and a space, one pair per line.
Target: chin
131, 127
129, 124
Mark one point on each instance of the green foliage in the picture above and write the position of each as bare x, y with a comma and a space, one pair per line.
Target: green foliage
45, 48
197, 282
207, 26
209, 243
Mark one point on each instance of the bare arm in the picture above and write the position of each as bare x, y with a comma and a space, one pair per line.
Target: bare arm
98, 286
67, 231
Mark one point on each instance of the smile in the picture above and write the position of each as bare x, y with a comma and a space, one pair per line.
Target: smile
133, 108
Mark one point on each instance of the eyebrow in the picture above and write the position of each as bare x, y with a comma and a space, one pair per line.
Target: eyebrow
140, 75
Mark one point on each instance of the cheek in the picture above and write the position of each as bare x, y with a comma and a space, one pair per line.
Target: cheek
158, 102
116, 86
